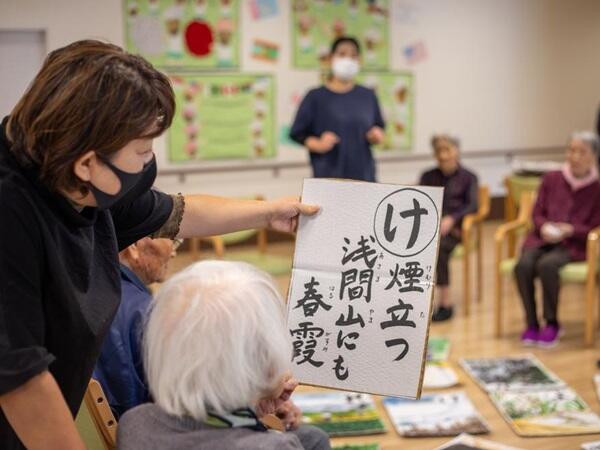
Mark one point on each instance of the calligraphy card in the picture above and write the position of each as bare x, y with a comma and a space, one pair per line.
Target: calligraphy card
447, 414
340, 413
359, 303
512, 373
546, 412
467, 442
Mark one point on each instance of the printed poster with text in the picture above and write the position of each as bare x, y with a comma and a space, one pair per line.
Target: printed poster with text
183, 33
317, 23
359, 304
223, 117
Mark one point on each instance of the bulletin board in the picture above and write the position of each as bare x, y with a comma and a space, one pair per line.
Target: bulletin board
223, 116
395, 92
317, 23
199, 34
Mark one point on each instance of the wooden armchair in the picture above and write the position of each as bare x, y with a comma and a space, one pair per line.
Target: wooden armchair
95, 421
584, 272
515, 186
472, 242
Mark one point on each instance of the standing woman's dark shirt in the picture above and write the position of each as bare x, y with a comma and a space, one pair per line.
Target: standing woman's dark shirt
350, 115
59, 278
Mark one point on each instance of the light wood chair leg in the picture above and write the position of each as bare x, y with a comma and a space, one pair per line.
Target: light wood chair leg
219, 246
598, 300
590, 310
479, 263
466, 278
498, 305
194, 247
261, 238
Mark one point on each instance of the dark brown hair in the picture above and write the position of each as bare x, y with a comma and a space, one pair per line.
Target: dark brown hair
343, 39
89, 95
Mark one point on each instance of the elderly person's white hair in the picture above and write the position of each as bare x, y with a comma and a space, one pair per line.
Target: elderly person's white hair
452, 140
589, 138
216, 340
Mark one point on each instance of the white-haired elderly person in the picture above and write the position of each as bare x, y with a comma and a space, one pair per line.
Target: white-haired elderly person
460, 198
566, 210
217, 357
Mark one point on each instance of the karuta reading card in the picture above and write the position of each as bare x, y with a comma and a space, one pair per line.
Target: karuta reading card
359, 303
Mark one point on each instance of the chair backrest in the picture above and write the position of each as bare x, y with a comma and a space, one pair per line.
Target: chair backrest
526, 204
100, 412
517, 184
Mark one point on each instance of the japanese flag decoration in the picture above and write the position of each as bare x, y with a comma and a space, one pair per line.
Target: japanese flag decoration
359, 303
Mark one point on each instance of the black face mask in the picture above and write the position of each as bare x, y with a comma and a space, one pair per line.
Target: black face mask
128, 182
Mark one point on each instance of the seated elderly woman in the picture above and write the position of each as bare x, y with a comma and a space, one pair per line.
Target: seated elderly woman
217, 355
566, 210
460, 198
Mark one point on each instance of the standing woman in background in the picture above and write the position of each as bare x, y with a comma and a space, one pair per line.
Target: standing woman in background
76, 174
338, 122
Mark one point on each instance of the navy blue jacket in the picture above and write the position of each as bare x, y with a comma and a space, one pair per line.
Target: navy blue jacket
350, 115
120, 368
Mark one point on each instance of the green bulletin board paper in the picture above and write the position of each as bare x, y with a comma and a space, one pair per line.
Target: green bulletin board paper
175, 33
223, 117
317, 23
395, 92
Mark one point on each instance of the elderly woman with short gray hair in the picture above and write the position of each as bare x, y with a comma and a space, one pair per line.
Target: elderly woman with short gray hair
217, 356
566, 210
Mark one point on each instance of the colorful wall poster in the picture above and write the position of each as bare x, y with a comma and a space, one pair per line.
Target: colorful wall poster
547, 412
340, 413
359, 303
223, 117
198, 34
395, 92
317, 23
447, 414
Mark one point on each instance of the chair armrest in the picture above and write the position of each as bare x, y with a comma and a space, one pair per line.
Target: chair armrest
468, 221
508, 227
593, 242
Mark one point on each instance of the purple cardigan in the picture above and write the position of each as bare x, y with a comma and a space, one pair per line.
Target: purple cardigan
557, 202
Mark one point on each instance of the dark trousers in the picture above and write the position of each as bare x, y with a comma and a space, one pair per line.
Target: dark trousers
447, 244
543, 262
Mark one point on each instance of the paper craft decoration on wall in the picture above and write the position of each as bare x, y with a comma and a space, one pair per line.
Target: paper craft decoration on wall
340, 413
223, 117
317, 23
360, 297
265, 50
199, 34
263, 9
435, 415
395, 92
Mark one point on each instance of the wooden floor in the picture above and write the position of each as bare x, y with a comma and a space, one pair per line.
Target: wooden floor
473, 337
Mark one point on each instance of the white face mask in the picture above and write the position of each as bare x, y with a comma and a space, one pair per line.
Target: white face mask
345, 68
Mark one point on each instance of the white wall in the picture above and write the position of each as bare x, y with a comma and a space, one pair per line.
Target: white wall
502, 74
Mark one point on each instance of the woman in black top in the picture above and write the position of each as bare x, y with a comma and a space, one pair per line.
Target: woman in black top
76, 175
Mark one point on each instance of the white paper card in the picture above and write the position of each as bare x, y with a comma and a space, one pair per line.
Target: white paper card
360, 297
